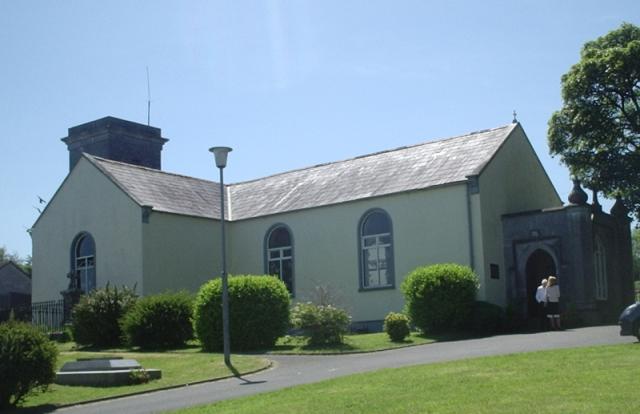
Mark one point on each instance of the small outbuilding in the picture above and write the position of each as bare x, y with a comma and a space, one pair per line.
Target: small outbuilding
15, 289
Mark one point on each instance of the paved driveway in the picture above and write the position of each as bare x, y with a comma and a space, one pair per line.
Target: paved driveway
294, 370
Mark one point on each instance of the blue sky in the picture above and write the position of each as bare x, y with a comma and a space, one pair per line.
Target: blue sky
287, 84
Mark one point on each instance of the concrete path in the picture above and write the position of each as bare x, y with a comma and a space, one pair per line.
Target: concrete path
294, 370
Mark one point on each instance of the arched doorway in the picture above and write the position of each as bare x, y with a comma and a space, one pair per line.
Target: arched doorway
540, 265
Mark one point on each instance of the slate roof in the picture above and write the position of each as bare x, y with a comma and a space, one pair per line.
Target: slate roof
171, 193
13, 279
403, 169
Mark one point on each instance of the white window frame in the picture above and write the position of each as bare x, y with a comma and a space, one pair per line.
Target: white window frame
371, 245
281, 255
85, 266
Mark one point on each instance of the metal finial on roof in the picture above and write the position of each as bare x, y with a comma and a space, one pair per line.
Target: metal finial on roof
515, 120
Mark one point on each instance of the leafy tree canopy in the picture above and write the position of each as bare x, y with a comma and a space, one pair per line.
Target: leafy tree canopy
597, 131
635, 243
5, 256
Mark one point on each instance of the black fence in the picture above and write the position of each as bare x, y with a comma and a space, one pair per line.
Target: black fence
46, 316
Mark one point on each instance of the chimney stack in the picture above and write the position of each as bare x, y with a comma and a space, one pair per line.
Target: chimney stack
118, 140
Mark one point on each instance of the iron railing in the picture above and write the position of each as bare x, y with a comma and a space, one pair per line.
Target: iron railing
48, 316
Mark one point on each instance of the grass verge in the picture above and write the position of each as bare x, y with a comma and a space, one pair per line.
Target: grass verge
582, 380
178, 368
356, 343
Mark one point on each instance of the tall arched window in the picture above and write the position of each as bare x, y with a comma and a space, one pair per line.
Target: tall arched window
279, 253
84, 262
600, 269
376, 250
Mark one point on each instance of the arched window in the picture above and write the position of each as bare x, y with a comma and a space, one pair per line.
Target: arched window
600, 269
279, 253
84, 262
376, 250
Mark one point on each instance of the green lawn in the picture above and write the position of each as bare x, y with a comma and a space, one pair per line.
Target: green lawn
178, 368
352, 344
602, 379
190, 365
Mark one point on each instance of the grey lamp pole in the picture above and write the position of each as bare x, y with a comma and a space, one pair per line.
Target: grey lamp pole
220, 154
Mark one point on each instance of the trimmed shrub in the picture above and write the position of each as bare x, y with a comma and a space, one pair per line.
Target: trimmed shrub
396, 325
159, 321
258, 312
440, 297
487, 318
96, 317
27, 362
320, 324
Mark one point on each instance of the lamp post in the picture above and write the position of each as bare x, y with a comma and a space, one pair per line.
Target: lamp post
220, 154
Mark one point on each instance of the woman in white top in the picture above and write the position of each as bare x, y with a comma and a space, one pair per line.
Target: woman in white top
553, 299
541, 298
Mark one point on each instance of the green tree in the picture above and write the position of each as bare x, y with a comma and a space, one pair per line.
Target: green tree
635, 246
597, 131
24, 264
5, 256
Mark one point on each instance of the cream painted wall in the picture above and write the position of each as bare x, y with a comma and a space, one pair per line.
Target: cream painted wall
87, 201
429, 226
180, 252
513, 181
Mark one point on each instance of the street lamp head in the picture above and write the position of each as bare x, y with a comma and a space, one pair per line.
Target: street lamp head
221, 155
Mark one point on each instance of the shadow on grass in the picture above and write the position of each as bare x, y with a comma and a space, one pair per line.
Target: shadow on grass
333, 347
191, 346
44, 408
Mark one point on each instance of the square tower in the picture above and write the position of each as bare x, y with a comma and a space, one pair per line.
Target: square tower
118, 140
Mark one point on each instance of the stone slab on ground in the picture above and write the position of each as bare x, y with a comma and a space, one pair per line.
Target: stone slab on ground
100, 364
106, 378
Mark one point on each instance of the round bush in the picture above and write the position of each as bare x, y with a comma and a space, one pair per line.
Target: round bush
440, 297
258, 312
396, 325
321, 324
27, 362
159, 321
96, 317
487, 318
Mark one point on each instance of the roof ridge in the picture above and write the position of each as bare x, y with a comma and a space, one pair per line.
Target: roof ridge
404, 147
16, 265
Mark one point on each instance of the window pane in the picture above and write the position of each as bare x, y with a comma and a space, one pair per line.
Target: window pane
91, 279
368, 241
383, 253
85, 246
279, 237
383, 280
384, 239
388, 258
373, 278
286, 252
274, 254
274, 268
370, 259
376, 223
287, 274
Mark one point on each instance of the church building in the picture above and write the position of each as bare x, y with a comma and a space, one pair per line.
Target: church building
356, 226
